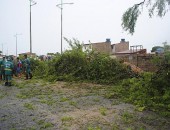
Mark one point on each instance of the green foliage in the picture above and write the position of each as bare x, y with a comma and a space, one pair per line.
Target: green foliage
133, 89
127, 117
161, 79
78, 65
44, 124
167, 48
64, 99
66, 118
29, 106
103, 111
147, 92
129, 19
47, 125
150, 90
155, 48
75, 65
39, 68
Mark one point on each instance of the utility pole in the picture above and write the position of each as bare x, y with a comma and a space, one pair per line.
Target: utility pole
61, 8
32, 3
16, 35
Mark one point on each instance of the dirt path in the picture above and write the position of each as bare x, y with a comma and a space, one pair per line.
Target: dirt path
35, 105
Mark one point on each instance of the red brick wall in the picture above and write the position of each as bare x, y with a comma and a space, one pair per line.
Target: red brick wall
142, 61
103, 47
123, 46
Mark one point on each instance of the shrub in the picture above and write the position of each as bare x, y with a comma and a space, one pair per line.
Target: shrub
78, 65
145, 95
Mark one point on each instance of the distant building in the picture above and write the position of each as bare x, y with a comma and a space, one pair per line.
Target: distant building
32, 55
115, 50
120, 47
103, 47
134, 50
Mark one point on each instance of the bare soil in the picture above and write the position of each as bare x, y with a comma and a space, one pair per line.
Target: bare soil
36, 104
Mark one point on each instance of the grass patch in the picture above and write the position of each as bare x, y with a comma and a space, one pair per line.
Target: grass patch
63, 99
21, 96
2, 95
47, 125
31, 128
103, 111
93, 128
73, 103
29, 106
44, 124
96, 99
41, 96
40, 122
116, 102
34, 91
127, 117
49, 102
115, 126
66, 118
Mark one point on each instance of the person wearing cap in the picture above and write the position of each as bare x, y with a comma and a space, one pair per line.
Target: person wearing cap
27, 67
8, 71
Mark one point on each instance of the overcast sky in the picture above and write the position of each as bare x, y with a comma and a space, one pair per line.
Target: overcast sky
85, 20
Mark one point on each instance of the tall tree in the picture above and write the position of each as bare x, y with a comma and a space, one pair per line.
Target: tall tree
129, 18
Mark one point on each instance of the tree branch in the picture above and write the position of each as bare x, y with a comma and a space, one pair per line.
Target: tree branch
141, 3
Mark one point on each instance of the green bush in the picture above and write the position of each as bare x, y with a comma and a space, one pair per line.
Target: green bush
78, 65
75, 64
39, 68
149, 91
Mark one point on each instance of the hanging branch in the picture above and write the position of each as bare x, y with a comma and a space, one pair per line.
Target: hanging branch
141, 3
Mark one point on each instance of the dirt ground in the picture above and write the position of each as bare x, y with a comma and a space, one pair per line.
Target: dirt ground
36, 104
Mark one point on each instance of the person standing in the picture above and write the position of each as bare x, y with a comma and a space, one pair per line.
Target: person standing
8, 67
18, 67
2, 71
27, 67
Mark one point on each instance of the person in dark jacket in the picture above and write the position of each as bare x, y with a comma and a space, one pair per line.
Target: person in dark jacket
27, 67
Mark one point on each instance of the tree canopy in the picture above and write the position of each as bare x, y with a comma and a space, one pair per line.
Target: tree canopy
129, 18
155, 48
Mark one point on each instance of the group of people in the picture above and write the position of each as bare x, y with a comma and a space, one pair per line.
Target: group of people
10, 67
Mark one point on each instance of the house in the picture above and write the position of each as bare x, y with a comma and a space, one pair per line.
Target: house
103, 47
136, 49
132, 53
116, 50
120, 47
